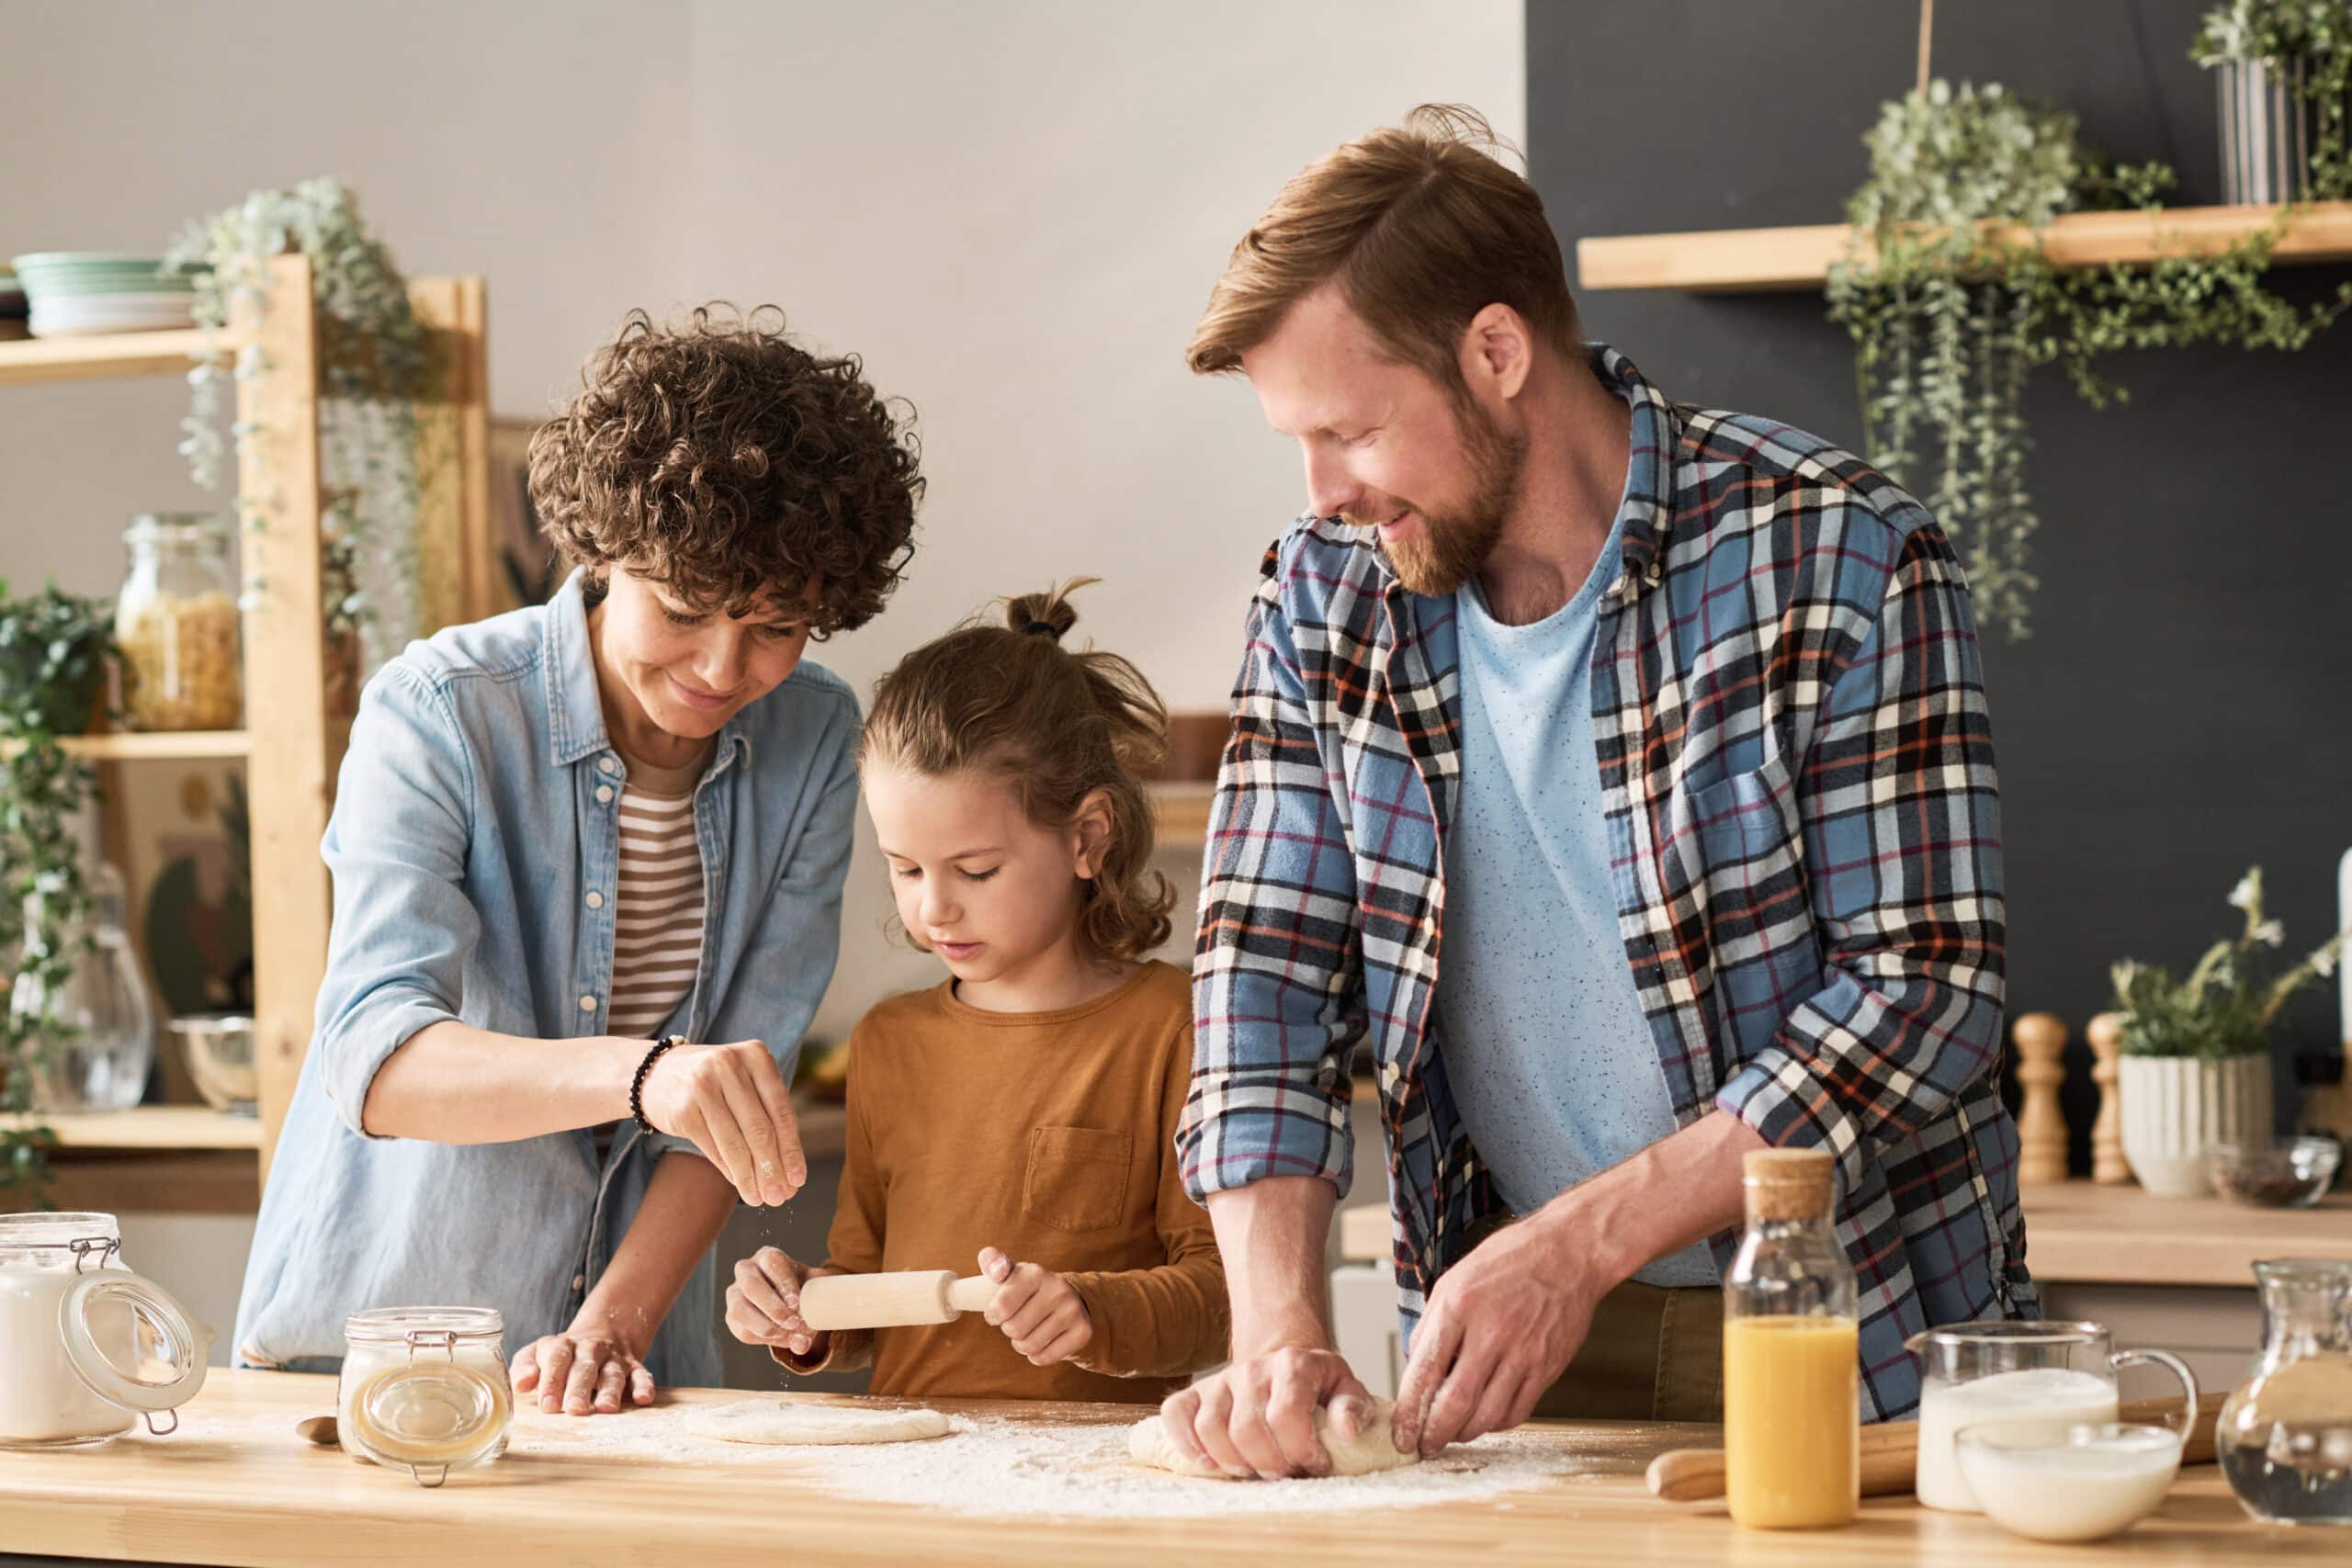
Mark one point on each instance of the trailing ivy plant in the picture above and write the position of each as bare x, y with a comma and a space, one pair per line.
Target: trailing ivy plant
1951, 304
2226, 1006
53, 649
2278, 33
377, 363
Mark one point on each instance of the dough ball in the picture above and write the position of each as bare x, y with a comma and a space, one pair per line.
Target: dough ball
1367, 1451
787, 1422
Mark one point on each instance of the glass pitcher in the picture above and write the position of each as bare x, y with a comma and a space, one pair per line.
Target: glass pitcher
2016, 1371
103, 1023
2285, 1435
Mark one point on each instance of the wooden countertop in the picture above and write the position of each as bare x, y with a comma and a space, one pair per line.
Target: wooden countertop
2080, 1233
235, 1485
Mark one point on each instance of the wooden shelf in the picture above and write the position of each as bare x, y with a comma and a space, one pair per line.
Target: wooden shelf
1747, 261
183, 745
152, 1127
1182, 810
109, 354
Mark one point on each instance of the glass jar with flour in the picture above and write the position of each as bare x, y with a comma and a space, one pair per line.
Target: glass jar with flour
91, 1349
2019, 1372
425, 1389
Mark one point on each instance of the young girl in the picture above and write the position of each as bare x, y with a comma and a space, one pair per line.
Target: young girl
1022, 1114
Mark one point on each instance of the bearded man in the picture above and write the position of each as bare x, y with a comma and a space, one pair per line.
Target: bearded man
1621, 770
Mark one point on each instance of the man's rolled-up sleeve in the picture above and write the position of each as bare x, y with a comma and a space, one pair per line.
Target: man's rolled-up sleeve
1277, 975
1901, 819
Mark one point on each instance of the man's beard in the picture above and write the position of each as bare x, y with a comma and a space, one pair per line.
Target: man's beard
1439, 557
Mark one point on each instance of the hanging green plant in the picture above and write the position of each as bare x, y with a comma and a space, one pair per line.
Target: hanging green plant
53, 649
377, 361
2283, 36
1951, 304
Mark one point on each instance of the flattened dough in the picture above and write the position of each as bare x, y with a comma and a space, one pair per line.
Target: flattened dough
774, 1421
1367, 1451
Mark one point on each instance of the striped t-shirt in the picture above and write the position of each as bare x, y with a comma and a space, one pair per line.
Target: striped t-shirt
657, 914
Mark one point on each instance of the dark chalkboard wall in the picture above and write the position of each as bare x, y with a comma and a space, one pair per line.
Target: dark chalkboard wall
2184, 706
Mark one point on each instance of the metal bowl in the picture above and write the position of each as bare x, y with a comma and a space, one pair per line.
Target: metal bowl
220, 1050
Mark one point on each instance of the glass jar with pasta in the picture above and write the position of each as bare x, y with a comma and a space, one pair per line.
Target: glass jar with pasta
176, 623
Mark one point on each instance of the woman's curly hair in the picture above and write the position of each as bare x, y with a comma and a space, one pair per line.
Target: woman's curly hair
725, 462
1002, 697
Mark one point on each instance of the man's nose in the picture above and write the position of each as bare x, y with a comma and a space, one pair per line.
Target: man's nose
1329, 489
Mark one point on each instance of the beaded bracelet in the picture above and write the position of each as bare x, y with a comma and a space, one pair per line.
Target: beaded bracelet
636, 1084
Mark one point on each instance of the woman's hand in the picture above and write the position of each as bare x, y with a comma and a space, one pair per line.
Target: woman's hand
1036, 1309
763, 1303
731, 1103
590, 1368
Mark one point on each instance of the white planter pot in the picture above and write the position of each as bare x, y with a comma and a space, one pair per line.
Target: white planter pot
2177, 1107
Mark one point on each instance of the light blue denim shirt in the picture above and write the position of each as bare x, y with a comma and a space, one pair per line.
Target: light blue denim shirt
474, 849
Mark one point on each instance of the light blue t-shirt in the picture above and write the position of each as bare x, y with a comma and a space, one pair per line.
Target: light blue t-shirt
1551, 1060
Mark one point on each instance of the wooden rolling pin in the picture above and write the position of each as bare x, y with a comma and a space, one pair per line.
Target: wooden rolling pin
1890, 1453
890, 1301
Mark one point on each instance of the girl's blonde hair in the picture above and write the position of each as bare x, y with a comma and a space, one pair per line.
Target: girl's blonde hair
1003, 697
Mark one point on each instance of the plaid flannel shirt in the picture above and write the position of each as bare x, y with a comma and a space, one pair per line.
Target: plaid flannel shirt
1797, 772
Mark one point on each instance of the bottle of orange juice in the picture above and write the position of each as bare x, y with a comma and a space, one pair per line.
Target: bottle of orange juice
1792, 1415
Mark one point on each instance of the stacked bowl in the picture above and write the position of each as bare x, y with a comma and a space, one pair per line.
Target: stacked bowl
75, 293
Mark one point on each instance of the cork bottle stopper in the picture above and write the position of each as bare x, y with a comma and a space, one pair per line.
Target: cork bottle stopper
1787, 1184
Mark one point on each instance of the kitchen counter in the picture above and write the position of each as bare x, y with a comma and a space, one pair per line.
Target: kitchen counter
2079, 1233
235, 1485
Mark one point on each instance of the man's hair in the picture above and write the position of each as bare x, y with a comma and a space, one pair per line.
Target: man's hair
723, 461
1421, 226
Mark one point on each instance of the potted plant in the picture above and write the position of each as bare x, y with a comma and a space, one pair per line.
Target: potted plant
54, 652
2196, 1068
1951, 304
2283, 70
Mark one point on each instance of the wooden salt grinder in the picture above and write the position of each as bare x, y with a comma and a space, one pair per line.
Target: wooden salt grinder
2107, 1164
2040, 1040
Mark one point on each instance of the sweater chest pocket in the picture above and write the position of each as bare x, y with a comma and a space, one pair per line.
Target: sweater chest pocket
1077, 1178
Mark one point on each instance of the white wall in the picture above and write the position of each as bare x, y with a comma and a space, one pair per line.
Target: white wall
1013, 210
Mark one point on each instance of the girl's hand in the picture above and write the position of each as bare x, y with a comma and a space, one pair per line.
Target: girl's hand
1036, 1309
731, 1103
588, 1369
763, 1303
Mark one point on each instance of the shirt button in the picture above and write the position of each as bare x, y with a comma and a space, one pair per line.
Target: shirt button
577, 1280
603, 794
606, 764
587, 1004
595, 901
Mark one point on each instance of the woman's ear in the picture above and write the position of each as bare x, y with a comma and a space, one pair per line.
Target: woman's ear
1090, 833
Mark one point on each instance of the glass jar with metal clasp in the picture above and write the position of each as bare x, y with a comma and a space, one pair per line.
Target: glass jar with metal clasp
425, 1389
87, 1348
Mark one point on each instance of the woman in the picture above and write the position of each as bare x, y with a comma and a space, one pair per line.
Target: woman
565, 832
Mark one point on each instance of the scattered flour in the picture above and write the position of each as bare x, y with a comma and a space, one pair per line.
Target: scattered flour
990, 1466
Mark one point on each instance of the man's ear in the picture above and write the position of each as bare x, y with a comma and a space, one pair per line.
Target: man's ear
1498, 352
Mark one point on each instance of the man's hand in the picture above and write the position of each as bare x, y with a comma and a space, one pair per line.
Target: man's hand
731, 1103
1256, 1416
590, 1368
1037, 1310
1501, 1327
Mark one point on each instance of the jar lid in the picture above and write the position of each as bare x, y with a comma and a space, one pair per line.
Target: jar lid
426, 1327
132, 1343
429, 1415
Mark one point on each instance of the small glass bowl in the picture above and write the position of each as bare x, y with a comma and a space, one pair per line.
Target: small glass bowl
2280, 1173
2067, 1481
219, 1051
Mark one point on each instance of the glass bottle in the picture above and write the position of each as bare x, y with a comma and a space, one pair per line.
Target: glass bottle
1791, 1393
2285, 1435
175, 621
101, 1023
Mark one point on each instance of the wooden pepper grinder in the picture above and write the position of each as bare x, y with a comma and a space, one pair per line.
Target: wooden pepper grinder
2107, 1164
2040, 1040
